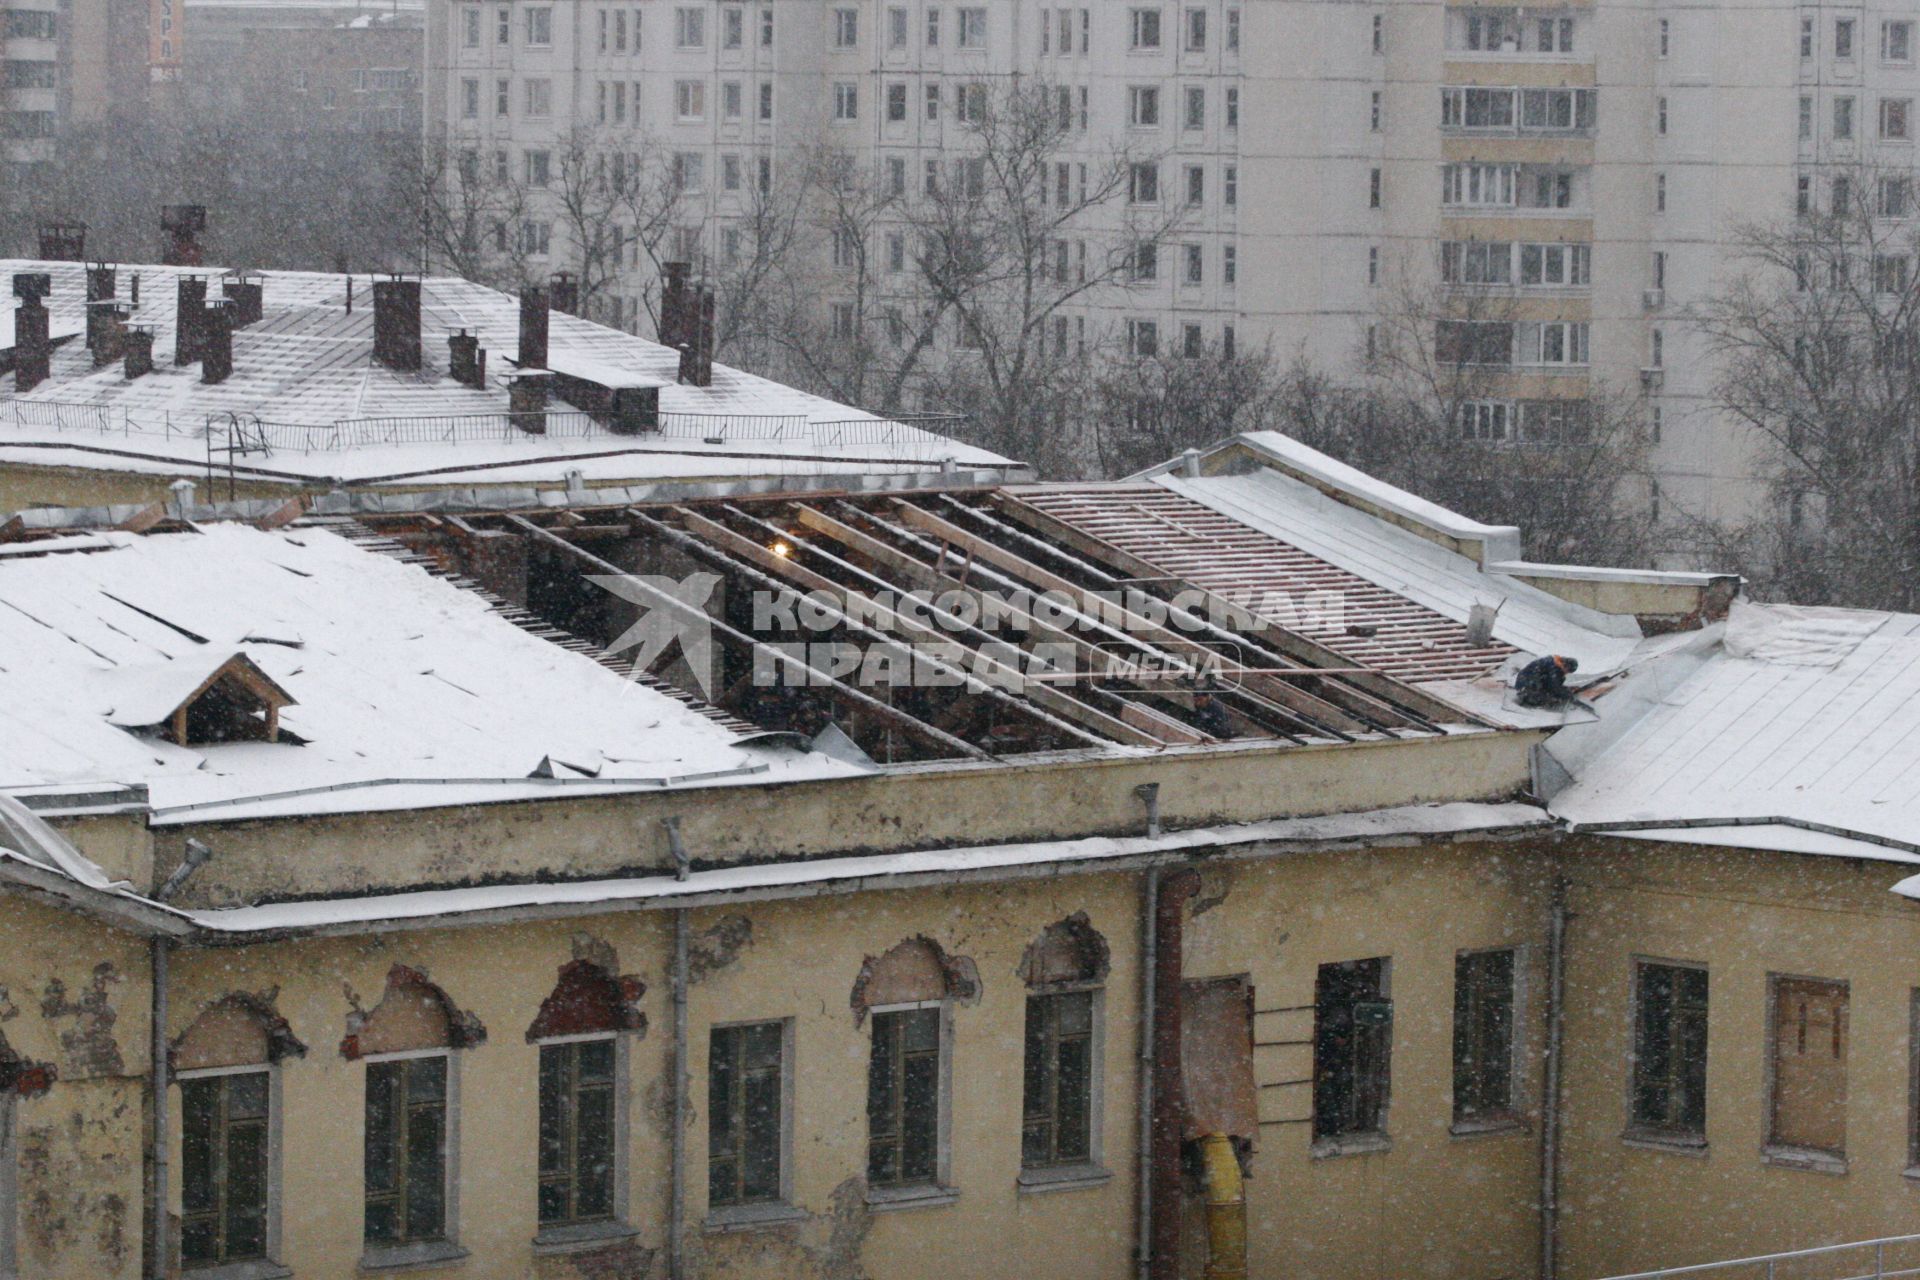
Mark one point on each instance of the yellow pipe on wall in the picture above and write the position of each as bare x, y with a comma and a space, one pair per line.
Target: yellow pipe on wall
1226, 1210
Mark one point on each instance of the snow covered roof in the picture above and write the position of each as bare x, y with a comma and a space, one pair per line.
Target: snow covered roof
1786, 728
317, 407
408, 690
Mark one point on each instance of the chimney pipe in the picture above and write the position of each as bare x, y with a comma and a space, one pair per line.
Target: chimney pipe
696, 353
183, 224
396, 323
100, 285
133, 294
527, 401
248, 296
672, 329
564, 289
138, 345
216, 339
466, 362
188, 321
534, 306
63, 241
107, 330
32, 345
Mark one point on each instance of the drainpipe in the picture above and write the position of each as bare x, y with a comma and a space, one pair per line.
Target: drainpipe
677, 1206
1169, 1111
160, 951
1149, 793
1550, 1092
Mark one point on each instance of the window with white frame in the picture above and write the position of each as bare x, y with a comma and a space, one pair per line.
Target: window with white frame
471, 33
537, 170
1193, 345
896, 176
749, 1123
1843, 29
1143, 263
690, 28
1896, 197
1807, 38
1488, 422
1479, 186
732, 100
1193, 265
503, 26
1229, 266
1896, 42
1143, 182
1143, 338
1553, 342
1143, 106
1195, 31
1233, 31
539, 98
971, 102
733, 27
1896, 119
1145, 29
1233, 107
690, 99
503, 98
896, 28
1555, 265
1230, 185
470, 99
1194, 116
1843, 119
1196, 186
1472, 107
1470, 262
896, 102
730, 172
973, 28
846, 101
539, 26
846, 28
766, 100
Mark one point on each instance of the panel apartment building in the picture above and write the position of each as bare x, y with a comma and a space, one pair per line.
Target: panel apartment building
1587, 165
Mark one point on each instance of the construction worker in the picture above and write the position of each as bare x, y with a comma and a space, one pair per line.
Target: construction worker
1543, 682
1211, 716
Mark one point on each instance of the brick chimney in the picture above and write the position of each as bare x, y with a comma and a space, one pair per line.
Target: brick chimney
527, 401
466, 362
248, 296
672, 329
107, 330
100, 288
396, 322
564, 289
138, 345
216, 342
687, 324
32, 343
63, 241
182, 224
189, 319
534, 306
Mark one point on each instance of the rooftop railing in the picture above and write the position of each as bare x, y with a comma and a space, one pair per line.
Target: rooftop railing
1881, 1259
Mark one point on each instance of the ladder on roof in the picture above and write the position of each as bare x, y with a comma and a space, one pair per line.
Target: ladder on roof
238, 433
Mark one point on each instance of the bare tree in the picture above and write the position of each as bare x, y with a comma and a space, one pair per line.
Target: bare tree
1147, 409
1818, 348
612, 196
471, 212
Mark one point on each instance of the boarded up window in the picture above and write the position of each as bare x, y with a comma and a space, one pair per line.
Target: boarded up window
1670, 1048
1810, 1064
1483, 1025
1216, 1058
1352, 1048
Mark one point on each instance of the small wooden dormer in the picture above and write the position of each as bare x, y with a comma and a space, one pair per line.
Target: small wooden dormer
194, 704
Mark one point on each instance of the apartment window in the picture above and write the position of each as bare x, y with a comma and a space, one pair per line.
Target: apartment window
896, 103
763, 173
845, 248
1081, 121
970, 102
1803, 195
1379, 33
1195, 116
1352, 1048
689, 171
636, 35
539, 98
1896, 119
690, 28
1233, 107
904, 1093
1807, 1067
1555, 265
1896, 197
1670, 1050
470, 99
1229, 266
471, 35
1843, 119
1476, 262
690, 99
1896, 42
1145, 29
1059, 1080
1233, 31
896, 28
933, 28
578, 1108
1487, 422
620, 102
502, 98
1666, 37
766, 100
973, 28
766, 28
1373, 264
503, 27
896, 251
1659, 193
930, 183
1193, 265
1843, 39
1196, 186
1086, 39
846, 101
933, 102
539, 26
1196, 31
1891, 272
1373, 112
1373, 188
1555, 342
732, 100
1143, 338
1806, 118
1656, 420
1490, 186
1143, 182
1143, 107
1193, 344
1806, 38
1066, 31
1230, 185
1143, 263
1657, 350
1476, 108
406, 1152
1659, 269
730, 172
537, 167
846, 28
225, 1167
501, 167
746, 1133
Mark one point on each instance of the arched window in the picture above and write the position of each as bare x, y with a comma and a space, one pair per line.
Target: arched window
1063, 970
910, 992
582, 1149
229, 1164
408, 1042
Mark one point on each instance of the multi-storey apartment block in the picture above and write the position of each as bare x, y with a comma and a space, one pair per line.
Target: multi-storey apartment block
1580, 171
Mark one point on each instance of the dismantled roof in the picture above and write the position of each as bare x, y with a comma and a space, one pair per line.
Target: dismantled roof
307, 402
407, 690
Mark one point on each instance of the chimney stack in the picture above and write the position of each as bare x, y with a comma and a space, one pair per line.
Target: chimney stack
216, 342
183, 224
100, 287
396, 322
138, 345
672, 330
466, 362
687, 324
527, 401
32, 345
63, 241
534, 306
107, 330
189, 320
564, 289
248, 296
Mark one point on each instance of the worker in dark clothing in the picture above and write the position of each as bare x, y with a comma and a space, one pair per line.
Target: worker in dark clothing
1543, 682
1212, 717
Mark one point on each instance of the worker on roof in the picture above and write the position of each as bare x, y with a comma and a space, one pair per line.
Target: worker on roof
1543, 682
1211, 716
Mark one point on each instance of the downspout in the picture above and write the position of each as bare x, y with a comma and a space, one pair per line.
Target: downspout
1550, 1091
160, 951
1149, 793
677, 1204
1169, 1110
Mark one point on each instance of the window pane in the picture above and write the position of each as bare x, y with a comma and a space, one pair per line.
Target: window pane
553, 1103
920, 1141
383, 1107
594, 1160
199, 1117
760, 1179
596, 1061
247, 1185
426, 1170
1076, 1078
